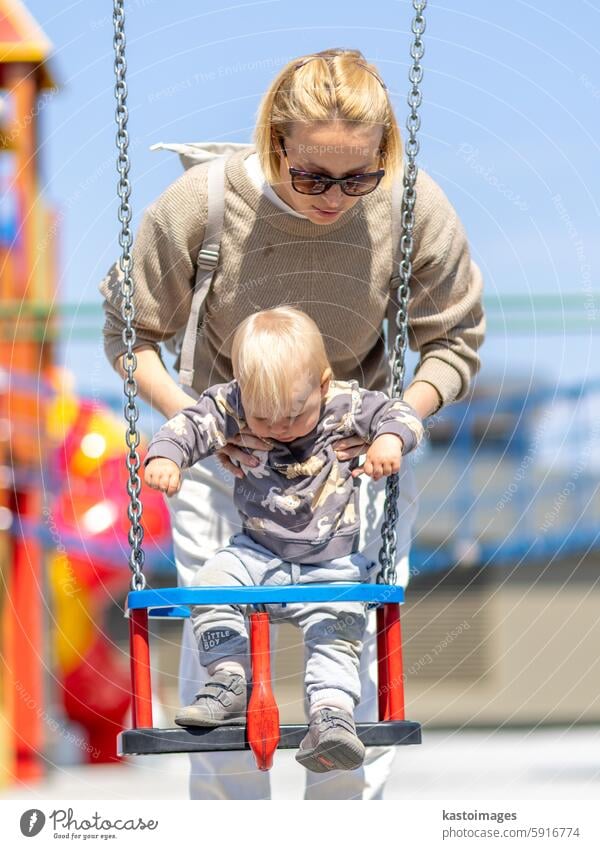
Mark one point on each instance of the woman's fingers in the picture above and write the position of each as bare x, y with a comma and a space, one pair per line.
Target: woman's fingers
231, 455
247, 440
352, 446
237, 454
224, 460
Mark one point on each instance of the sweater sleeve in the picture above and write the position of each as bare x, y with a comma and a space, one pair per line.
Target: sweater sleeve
446, 317
200, 430
375, 414
164, 256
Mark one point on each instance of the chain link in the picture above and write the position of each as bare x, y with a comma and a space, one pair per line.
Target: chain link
387, 554
131, 413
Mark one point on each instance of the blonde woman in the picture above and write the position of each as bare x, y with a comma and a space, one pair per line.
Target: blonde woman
307, 223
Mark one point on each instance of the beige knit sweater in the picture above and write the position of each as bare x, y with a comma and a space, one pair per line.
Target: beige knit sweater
338, 273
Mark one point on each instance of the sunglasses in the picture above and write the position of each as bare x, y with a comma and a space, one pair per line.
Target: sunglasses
317, 184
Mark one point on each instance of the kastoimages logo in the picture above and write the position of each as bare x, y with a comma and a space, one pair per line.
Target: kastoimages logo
32, 822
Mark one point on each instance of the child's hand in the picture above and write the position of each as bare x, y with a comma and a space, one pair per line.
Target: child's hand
383, 457
164, 475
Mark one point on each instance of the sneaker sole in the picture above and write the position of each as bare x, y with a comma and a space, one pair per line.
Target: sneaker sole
204, 722
333, 754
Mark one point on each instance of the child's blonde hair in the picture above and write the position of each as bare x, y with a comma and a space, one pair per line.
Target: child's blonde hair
272, 350
333, 84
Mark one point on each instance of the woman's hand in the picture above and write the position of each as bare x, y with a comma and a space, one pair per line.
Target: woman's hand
163, 474
383, 457
231, 454
349, 447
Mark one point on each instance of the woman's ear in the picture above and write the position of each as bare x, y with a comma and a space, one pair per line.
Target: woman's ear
325, 380
276, 144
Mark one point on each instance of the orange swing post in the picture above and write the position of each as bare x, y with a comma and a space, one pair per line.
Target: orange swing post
390, 669
141, 683
262, 726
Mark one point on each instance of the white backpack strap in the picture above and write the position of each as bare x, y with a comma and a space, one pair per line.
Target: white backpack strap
208, 259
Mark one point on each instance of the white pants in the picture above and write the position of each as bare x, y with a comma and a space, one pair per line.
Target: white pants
203, 519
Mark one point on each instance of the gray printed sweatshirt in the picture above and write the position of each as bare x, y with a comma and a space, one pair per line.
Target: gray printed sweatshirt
300, 502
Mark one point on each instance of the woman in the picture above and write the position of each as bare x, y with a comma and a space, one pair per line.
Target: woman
330, 254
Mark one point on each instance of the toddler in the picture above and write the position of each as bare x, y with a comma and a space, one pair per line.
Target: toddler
299, 512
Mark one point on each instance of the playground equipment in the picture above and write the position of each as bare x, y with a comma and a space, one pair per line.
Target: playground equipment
262, 733
91, 678
27, 287
79, 534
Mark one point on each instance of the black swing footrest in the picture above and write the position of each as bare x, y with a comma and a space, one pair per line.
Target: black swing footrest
159, 741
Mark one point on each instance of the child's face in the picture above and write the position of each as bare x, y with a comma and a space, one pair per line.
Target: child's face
303, 417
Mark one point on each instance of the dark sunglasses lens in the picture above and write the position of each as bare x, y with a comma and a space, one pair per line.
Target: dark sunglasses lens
361, 185
307, 185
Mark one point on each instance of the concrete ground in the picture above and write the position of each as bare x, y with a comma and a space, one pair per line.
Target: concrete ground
450, 765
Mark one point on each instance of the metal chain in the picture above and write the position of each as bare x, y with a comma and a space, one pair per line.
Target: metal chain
387, 554
131, 413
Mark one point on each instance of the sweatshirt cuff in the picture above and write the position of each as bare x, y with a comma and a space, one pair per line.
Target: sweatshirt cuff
409, 440
443, 377
167, 449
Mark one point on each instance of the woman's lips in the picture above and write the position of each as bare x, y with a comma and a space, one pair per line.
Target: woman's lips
328, 213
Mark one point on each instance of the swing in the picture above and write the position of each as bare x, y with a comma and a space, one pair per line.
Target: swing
262, 733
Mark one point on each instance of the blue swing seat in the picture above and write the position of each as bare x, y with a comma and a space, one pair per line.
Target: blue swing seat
171, 602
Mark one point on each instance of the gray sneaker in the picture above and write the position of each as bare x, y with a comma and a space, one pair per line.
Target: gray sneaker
221, 701
331, 742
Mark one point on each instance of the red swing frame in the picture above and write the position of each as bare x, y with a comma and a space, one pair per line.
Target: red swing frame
263, 730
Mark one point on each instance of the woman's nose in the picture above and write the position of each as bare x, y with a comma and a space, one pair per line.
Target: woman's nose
334, 193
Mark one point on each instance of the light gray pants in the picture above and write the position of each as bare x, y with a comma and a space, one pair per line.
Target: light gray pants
333, 632
203, 519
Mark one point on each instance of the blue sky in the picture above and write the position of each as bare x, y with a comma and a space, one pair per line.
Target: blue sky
510, 130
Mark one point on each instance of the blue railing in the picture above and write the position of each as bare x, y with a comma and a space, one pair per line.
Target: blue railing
502, 480
510, 480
